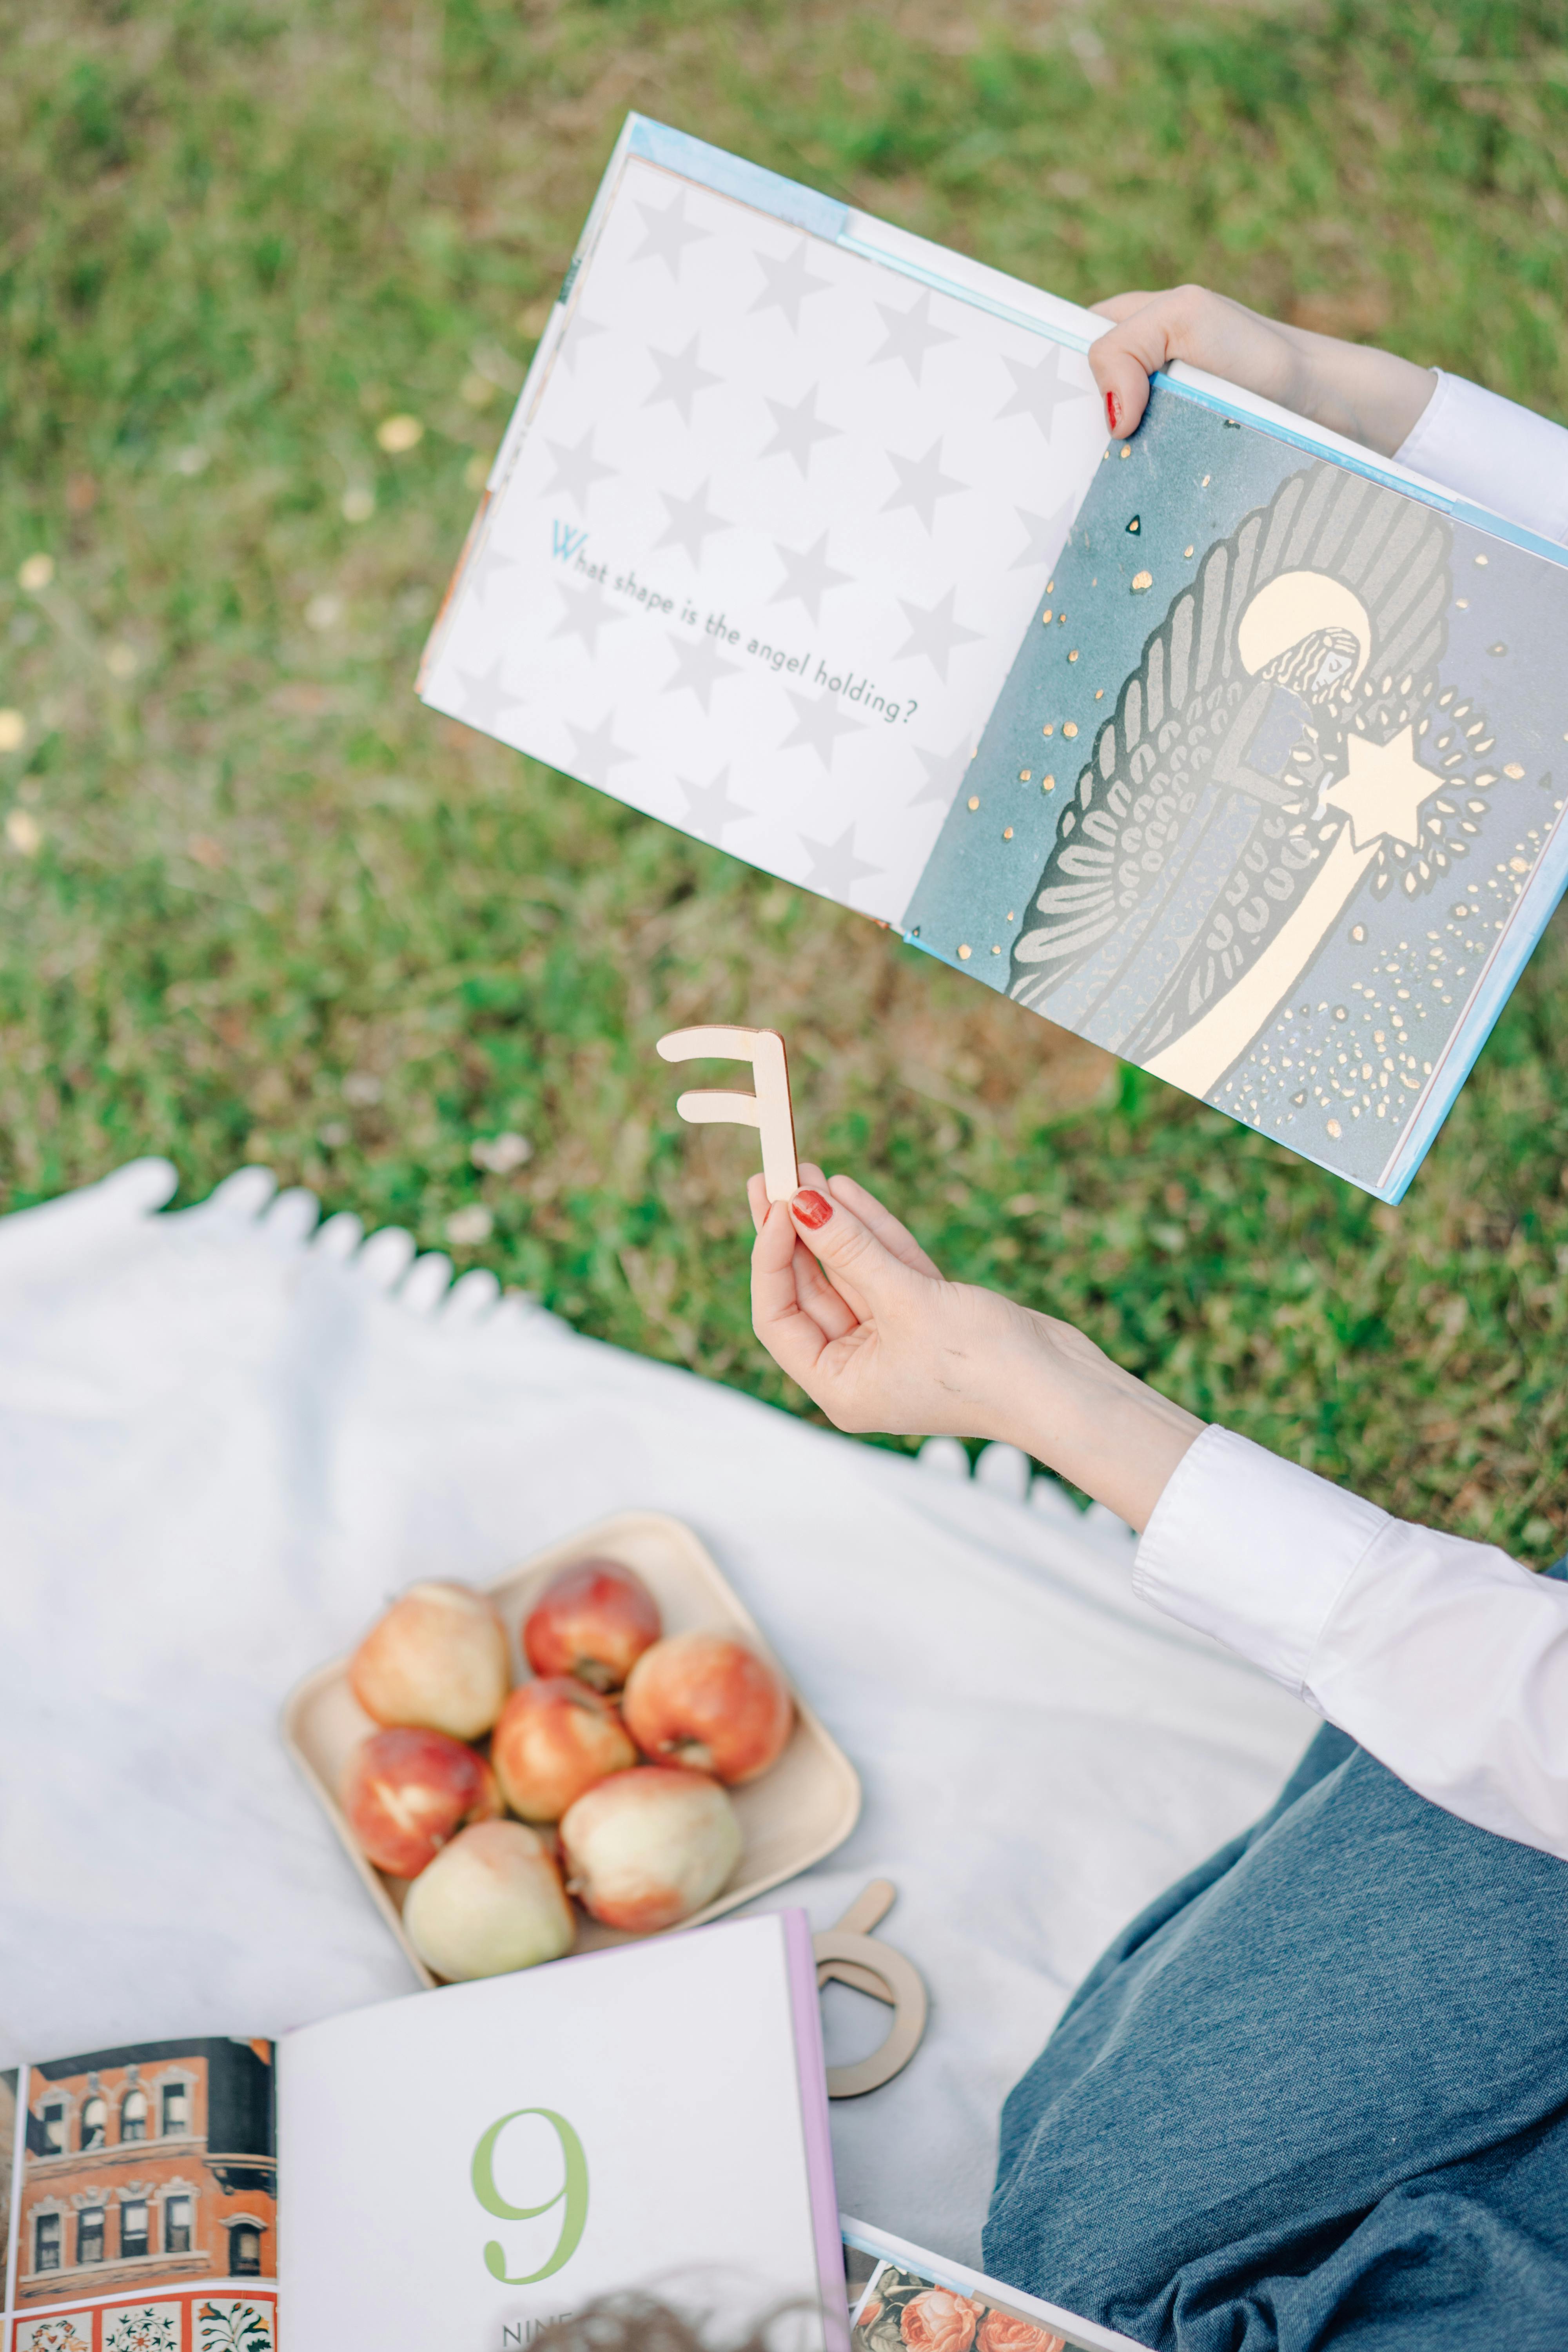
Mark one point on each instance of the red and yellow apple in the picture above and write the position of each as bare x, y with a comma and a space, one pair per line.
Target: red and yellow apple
436, 1659
710, 1704
592, 1621
491, 1902
650, 1847
555, 1740
407, 1791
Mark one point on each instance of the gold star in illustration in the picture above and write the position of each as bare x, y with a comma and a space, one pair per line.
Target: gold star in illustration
1383, 789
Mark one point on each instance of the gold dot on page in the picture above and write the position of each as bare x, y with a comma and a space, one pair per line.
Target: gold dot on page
995, 951
1100, 694
1006, 833
1125, 450
974, 800
1463, 604
1073, 655
1047, 783
1026, 775
1045, 618
1480, 559
1049, 727
1071, 726
1011, 917
1050, 587
1186, 550
966, 951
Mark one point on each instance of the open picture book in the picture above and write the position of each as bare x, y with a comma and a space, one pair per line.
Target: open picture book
1232, 747
455, 2169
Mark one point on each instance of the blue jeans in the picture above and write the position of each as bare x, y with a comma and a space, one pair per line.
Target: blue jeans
1317, 2094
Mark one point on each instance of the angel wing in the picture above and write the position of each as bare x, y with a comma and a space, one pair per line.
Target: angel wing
1184, 847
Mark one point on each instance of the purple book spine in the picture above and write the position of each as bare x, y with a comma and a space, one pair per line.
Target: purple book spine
810, 2068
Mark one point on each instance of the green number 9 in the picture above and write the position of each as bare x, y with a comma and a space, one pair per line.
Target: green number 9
572, 2195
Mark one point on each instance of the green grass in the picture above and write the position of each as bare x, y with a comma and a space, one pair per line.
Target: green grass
254, 902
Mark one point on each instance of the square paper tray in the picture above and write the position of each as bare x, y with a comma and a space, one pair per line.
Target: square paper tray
795, 1813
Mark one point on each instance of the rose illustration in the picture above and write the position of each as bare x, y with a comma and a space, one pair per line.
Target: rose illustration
1000, 2332
939, 2321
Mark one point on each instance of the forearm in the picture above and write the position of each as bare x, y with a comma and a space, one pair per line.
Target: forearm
1370, 396
1102, 1429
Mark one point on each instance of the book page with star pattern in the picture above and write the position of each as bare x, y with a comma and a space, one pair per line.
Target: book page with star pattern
772, 521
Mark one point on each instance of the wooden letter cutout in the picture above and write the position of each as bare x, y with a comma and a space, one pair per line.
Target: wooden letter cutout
768, 1110
850, 1953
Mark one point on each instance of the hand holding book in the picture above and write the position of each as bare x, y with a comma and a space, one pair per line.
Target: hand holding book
1370, 396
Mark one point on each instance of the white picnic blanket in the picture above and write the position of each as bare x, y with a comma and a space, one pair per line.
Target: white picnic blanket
225, 1434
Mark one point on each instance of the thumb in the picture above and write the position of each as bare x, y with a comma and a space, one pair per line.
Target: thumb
860, 1266
1123, 360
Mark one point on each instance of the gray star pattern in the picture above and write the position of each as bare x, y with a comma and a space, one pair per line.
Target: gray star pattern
699, 666
681, 377
912, 336
1044, 536
1037, 388
710, 807
797, 429
835, 869
820, 721
495, 575
576, 470
787, 282
487, 698
921, 483
579, 333
595, 750
935, 635
944, 770
666, 234
808, 578
692, 522
586, 618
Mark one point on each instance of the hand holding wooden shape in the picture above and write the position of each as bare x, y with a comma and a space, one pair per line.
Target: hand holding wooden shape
768, 1110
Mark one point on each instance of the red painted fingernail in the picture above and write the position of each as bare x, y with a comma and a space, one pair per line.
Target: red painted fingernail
811, 1209
1112, 414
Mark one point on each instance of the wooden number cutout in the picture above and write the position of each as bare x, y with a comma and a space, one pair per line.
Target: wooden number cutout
768, 1110
852, 1955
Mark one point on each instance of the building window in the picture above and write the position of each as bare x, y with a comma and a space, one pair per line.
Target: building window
47, 2242
176, 2224
244, 2251
94, 2123
133, 2227
90, 2235
133, 2116
54, 2128
176, 2108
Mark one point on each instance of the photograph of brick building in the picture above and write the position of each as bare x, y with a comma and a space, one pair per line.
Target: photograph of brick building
148, 2166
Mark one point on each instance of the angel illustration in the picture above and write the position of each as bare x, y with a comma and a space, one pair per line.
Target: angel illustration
1272, 754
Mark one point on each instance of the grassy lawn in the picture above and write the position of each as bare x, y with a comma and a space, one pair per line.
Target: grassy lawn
254, 902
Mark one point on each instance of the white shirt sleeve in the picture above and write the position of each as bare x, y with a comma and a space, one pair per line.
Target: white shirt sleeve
1494, 453
1444, 1659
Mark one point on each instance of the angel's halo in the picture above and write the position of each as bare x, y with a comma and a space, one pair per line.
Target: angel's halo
1290, 607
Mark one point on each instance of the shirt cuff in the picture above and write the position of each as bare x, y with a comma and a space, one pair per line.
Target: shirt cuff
1253, 1550
1493, 453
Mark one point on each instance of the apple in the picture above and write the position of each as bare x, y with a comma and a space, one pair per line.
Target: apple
594, 1621
406, 1792
555, 1740
648, 1847
708, 1701
438, 1659
491, 1901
